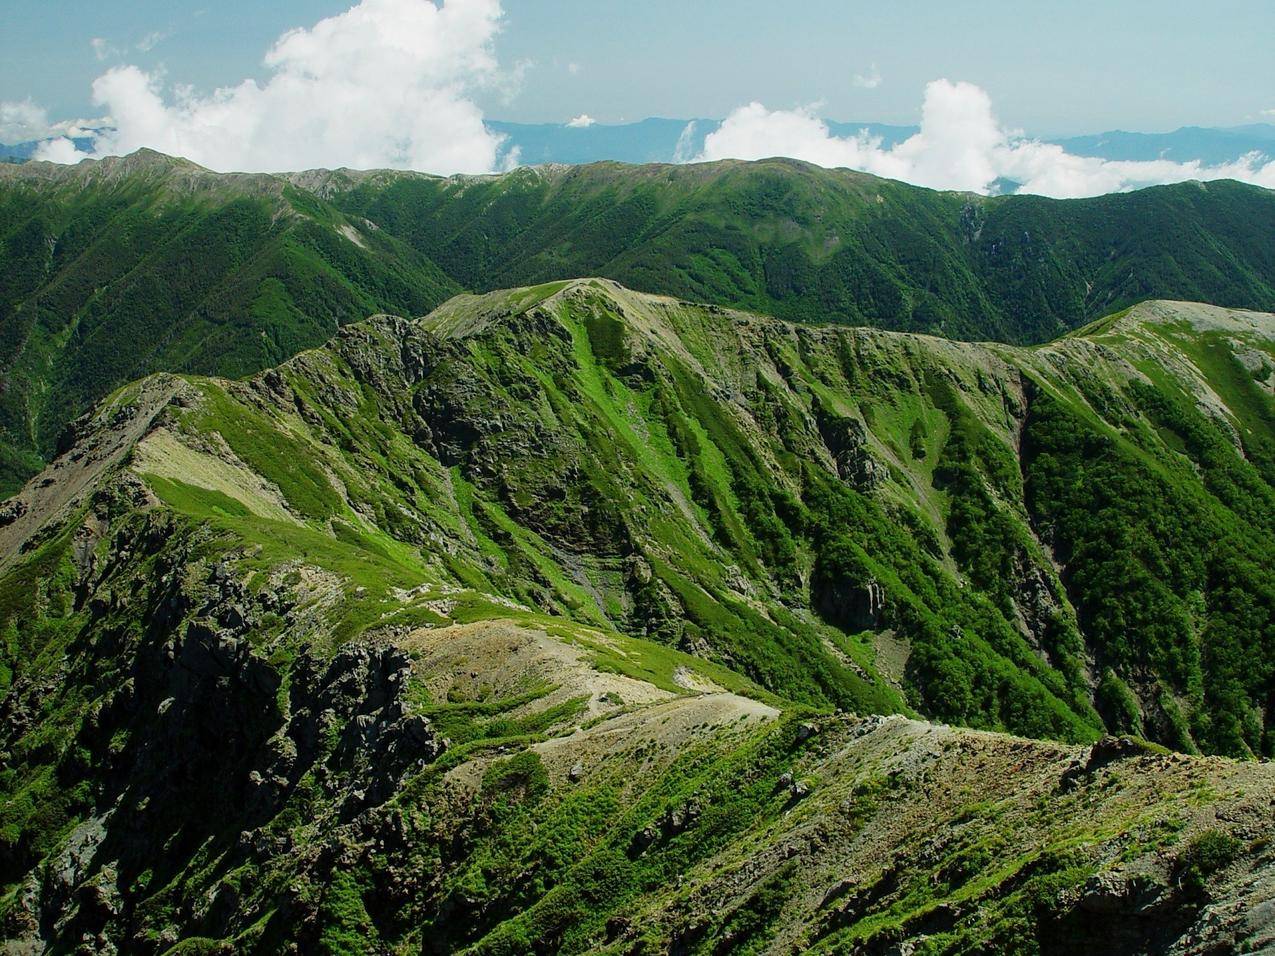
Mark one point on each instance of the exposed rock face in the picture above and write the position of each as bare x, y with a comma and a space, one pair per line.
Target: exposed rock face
854, 606
362, 694
847, 440
1106, 751
11, 511
195, 733
1114, 894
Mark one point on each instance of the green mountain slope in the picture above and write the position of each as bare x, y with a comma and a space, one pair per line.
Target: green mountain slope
846, 514
125, 267
1048, 541
538, 625
117, 269
817, 245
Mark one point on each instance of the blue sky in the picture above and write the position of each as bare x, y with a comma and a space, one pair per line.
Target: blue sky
1052, 68
298, 84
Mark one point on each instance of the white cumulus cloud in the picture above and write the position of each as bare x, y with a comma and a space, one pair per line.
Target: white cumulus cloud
961, 145
60, 150
583, 121
22, 121
386, 83
684, 151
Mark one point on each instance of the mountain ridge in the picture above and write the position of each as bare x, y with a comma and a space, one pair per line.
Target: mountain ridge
659, 139
634, 337
170, 267
542, 623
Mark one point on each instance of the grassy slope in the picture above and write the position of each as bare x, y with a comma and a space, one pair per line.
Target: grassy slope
800, 504
1003, 480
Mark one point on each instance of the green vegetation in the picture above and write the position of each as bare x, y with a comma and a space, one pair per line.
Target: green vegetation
1204, 856
142, 271
347, 928
156, 265
814, 245
642, 502
539, 624
1165, 575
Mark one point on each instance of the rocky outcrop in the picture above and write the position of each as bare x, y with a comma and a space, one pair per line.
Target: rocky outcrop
848, 441
359, 698
857, 607
192, 737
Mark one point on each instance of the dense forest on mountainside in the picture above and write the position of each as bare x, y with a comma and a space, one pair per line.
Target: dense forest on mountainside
816, 245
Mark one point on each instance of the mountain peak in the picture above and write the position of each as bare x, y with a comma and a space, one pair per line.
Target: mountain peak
147, 158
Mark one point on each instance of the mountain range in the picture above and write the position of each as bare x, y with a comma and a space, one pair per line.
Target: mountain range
570, 618
656, 140
673, 140
714, 558
118, 268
